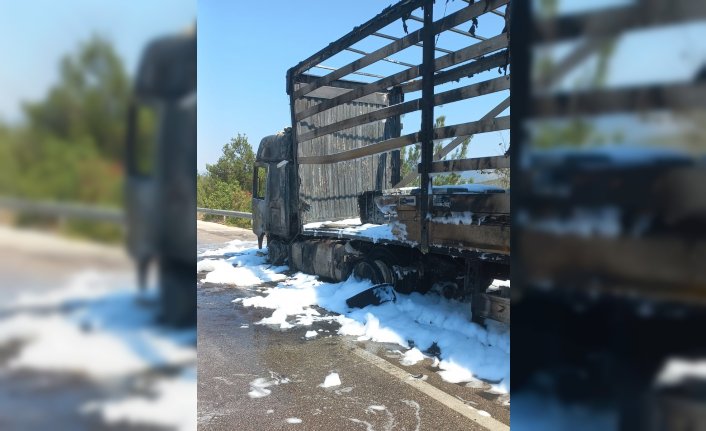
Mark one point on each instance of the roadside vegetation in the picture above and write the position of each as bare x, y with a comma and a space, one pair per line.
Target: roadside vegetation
68, 145
227, 184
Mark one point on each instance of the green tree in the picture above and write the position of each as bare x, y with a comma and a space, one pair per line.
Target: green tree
452, 178
227, 184
69, 145
236, 164
89, 101
411, 157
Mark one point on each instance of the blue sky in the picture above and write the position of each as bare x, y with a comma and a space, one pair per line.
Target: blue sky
246, 49
37, 33
244, 54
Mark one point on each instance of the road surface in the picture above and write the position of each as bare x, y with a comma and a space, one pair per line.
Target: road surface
43, 265
376, 392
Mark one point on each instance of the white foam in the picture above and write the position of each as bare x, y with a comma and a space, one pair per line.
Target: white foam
174, 405
331, 380
245, 269
258, 387
411, 357
109, 334
231, 247
101, 327
677, 370
468, 351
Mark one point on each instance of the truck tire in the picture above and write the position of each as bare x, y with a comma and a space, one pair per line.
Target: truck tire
386, 261
177, 293
277, 251
368, 269
385, 271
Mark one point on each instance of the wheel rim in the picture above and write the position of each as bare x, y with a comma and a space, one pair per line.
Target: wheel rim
365, 270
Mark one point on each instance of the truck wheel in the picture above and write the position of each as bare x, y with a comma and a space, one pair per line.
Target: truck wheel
367, 269
385, 260
385, 271
276, 251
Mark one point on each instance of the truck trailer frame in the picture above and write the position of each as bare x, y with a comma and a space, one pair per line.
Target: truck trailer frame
341, 159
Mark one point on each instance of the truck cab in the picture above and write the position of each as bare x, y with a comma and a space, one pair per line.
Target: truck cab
274, 190
160, 192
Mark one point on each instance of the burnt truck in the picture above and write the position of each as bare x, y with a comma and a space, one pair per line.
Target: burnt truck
160, 192
610, 237
328, 191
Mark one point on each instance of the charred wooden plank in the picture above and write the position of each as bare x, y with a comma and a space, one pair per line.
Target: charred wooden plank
569, 62
460, 56
615, 20
388, 37
486, 203
456, 142
476, 203
672, 262
482, 126
487, 238
474, 164
673, 96
463, 15
389, 60
482, 64
389, 15
455, 95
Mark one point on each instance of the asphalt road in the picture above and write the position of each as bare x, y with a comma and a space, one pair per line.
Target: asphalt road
376, 392
36, 263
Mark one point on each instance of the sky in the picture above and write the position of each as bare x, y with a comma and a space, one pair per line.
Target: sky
243, 57
245, 52
37, 34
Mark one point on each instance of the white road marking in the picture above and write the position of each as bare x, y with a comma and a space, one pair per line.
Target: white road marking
449, 401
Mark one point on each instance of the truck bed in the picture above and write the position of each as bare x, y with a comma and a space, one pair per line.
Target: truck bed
462, 223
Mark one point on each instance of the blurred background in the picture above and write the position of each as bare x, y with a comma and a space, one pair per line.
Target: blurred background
97, 326
609, 215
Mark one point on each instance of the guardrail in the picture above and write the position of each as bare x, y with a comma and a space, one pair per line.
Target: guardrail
89, 212
225, 213
64, 210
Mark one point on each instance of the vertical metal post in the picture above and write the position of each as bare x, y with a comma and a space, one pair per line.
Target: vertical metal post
396, 97
427, 129
518, 16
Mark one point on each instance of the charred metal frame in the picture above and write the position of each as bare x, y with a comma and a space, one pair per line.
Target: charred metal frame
479, 55
669, 256
593, 284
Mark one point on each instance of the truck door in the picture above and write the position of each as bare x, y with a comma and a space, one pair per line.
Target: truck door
274, 207
259, 201
278, 199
